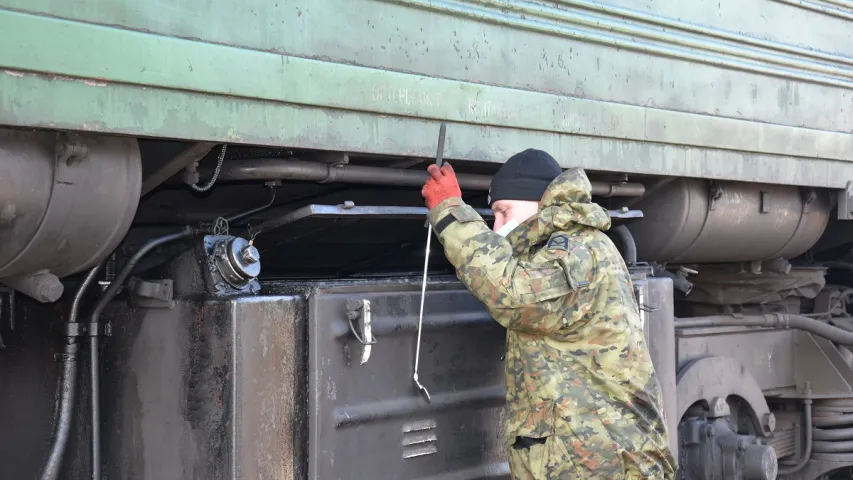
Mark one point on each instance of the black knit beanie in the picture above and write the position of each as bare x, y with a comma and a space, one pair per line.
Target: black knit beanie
525, 176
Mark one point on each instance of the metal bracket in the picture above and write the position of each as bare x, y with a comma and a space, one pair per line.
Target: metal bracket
845, 202
151, 294
69, 152
809, 196
89, 329
7, 308
350, 210
714, 194
765, 202
359, 310
334, 160
7, 311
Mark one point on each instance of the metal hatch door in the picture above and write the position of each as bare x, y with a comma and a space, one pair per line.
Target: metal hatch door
368, 421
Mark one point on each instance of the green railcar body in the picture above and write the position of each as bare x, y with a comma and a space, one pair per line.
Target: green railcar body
755, 90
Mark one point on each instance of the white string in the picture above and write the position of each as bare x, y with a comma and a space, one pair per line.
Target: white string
423, 294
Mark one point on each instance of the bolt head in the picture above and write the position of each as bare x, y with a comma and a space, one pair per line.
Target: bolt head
250, 254
51, 291
719, 407
770, 421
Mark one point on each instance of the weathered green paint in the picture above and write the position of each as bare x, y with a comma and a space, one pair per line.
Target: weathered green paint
74, 49
126, 109
748, 128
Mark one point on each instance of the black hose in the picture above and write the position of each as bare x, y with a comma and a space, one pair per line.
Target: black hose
94, 366
838, 265
67, 384
629, 246
807, 454
771, 320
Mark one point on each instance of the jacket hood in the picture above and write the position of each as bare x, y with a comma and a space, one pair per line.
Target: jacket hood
568, 201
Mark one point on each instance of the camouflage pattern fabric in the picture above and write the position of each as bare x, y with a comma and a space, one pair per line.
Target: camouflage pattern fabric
578, 370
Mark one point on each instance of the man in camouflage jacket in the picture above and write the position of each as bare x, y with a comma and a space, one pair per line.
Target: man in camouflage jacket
583, 400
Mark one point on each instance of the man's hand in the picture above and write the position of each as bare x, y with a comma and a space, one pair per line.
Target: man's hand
441, 185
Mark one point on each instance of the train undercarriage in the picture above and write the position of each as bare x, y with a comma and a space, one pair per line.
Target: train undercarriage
196, 310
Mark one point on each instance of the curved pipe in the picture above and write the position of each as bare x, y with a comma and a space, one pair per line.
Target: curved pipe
287, 169
807, 454
248, 213
68, 384
629, 246
771, 320
94, 364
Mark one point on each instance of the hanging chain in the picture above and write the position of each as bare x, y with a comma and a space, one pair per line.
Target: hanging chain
215, 172
221, 226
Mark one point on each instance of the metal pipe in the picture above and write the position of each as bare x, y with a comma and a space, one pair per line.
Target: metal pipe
248, 213
68, 384
629, 246
286, 169
771, 320
94, 366
807, 454
95, 386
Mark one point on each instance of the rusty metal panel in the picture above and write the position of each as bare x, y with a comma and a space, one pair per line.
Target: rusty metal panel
207, 390
368, 420
269, 396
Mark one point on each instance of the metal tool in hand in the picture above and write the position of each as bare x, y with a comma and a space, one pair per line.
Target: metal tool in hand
438, 157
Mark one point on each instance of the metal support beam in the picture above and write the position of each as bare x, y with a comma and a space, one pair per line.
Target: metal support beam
350, 210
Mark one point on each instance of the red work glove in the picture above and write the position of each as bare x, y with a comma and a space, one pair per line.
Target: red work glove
441, 185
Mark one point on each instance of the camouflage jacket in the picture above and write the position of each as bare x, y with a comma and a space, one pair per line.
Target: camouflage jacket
577, 363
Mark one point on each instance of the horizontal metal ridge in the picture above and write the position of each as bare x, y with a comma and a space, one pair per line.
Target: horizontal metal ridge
702, 30
585, 28
271, 77
480, 472
419, 451
409, 406
416, 438
419, 425
840, 3
831, 10
408, 324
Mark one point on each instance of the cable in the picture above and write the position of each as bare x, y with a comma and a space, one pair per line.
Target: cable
67, 384
94, 319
